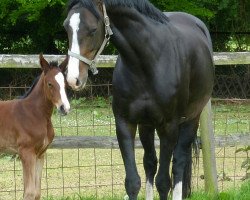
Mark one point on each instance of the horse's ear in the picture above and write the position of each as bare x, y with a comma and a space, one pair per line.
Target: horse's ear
99, 4
44, 64
63, 65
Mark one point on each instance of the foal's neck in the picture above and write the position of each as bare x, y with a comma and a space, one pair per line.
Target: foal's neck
38, 100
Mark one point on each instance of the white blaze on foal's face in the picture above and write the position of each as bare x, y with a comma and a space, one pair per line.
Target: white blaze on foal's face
73, 65
64, 100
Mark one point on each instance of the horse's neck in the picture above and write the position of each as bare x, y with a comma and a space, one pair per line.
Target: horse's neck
135, 36
39, 100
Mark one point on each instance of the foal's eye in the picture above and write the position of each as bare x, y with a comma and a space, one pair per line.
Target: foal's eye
49, 85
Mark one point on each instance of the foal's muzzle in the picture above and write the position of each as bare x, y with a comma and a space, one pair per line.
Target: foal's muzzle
63, 111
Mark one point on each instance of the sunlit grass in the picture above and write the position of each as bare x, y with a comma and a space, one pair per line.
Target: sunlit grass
95, 118
241, 193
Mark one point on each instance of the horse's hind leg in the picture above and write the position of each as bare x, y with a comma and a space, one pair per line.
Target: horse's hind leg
28, 158
168, 136
126, 135
39, 168
147, 134
182, 159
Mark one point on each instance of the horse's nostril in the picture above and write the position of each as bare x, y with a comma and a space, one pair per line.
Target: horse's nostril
78, 83
62, 108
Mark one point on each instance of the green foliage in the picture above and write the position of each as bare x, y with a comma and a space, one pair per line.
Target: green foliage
192, 7
32, 26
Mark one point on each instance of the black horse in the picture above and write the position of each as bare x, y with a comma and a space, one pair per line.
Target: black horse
162, 80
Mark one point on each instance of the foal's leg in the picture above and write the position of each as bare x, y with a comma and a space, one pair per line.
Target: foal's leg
168, 138
182, 159
126, 135
28, 158
149, 160
39, 168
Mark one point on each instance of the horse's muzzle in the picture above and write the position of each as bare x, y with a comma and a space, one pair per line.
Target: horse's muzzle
63, 111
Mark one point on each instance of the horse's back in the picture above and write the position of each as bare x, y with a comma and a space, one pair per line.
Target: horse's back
190, 25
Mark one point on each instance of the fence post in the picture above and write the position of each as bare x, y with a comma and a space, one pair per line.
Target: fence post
208, 150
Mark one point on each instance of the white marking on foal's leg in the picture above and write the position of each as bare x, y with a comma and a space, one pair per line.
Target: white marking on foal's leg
177, 193
60, 80
73, 65
149, 191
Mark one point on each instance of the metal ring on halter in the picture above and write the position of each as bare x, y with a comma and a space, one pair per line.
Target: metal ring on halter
106, 21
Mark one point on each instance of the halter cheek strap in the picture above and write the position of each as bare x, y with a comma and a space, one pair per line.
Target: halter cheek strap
108, 33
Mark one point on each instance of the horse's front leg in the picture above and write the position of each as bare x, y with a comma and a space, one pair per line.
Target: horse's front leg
126, 134
28, 158
168, 135
39, 168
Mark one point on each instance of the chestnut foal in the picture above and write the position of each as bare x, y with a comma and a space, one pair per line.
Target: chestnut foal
25, 124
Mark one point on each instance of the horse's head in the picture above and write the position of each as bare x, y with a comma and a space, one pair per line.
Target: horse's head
54, 84
87, 34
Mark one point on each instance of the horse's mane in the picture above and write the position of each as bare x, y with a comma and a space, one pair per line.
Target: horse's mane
31, 88
52, 64
85, 3
143, 6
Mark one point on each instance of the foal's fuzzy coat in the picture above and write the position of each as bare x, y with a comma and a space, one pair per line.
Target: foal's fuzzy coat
26, 128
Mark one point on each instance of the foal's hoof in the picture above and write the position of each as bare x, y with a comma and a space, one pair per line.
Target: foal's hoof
126, 197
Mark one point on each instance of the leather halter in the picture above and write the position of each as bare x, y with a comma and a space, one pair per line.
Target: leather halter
108, 33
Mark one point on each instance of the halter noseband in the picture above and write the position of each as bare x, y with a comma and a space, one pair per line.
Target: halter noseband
108, 33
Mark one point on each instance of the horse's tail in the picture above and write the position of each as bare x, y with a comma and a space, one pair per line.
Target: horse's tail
187, 176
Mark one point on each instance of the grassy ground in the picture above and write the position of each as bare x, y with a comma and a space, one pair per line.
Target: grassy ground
242, 193
95, 117
100, 172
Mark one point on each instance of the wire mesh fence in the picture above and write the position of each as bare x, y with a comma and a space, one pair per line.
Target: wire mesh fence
100, 172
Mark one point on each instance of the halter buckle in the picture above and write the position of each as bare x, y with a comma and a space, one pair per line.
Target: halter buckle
93, 68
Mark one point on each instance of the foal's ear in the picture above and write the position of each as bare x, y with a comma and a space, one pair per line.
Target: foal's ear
44, 64
63, 65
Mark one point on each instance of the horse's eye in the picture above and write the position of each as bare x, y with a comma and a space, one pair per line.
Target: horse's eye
92, 32
50, 85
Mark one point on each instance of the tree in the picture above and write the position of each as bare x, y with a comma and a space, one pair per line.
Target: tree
33, 26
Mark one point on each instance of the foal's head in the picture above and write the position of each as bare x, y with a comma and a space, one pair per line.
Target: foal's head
54, 84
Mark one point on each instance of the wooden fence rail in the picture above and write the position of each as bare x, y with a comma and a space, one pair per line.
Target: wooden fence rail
107, 142
105, 61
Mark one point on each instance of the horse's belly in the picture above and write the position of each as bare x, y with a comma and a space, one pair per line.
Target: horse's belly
7, 144
145, 111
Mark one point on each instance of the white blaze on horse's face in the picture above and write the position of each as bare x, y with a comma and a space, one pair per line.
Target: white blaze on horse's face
63, 102
73, 65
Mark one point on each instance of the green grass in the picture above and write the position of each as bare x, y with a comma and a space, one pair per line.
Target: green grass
242, 193
95, 118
